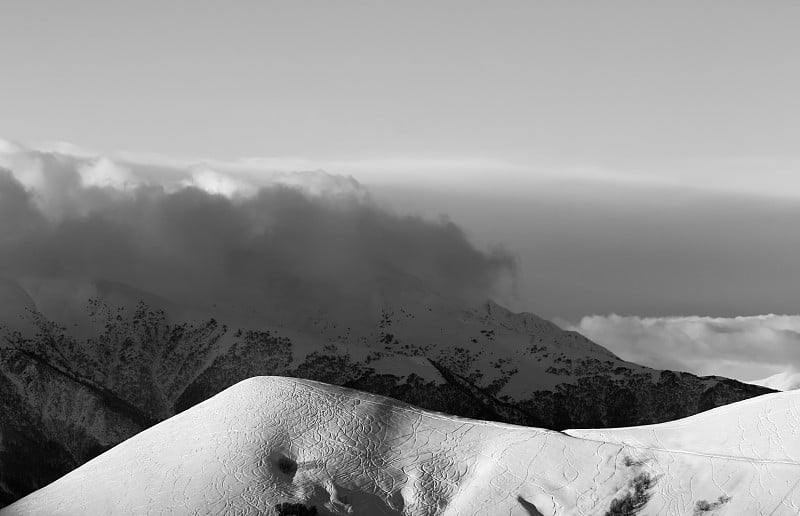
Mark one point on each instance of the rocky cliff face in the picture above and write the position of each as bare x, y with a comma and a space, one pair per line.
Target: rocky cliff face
64, 398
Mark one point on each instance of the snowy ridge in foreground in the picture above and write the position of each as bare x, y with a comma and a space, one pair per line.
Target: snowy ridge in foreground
272, 440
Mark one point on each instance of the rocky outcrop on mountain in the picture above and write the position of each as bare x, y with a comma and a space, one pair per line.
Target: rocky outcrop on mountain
67, 398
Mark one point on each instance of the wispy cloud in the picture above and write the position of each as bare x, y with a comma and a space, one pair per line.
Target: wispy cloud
763, 176
747, 348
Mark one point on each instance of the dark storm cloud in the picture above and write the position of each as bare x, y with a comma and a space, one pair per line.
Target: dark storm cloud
18, 216
314, 242
594, 247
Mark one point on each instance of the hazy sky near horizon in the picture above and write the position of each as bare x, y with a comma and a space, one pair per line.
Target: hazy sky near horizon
639, 158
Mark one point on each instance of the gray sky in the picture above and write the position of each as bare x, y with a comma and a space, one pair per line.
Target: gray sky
589, 83
636, 157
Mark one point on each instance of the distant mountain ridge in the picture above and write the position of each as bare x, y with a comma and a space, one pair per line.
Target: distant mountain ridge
67, 393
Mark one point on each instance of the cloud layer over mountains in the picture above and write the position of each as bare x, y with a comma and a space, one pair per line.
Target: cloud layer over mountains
243, 234
191, 232
739, 347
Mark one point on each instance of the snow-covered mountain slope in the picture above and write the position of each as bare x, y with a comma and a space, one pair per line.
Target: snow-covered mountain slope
785, 381
273, 445
766, 428
81, 381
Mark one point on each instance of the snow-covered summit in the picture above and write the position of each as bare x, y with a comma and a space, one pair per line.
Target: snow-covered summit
272, 445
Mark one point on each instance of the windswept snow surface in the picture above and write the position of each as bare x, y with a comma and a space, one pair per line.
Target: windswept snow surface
273, 440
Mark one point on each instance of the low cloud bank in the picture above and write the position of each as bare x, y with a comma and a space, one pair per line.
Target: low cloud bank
746, 348
193, 231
